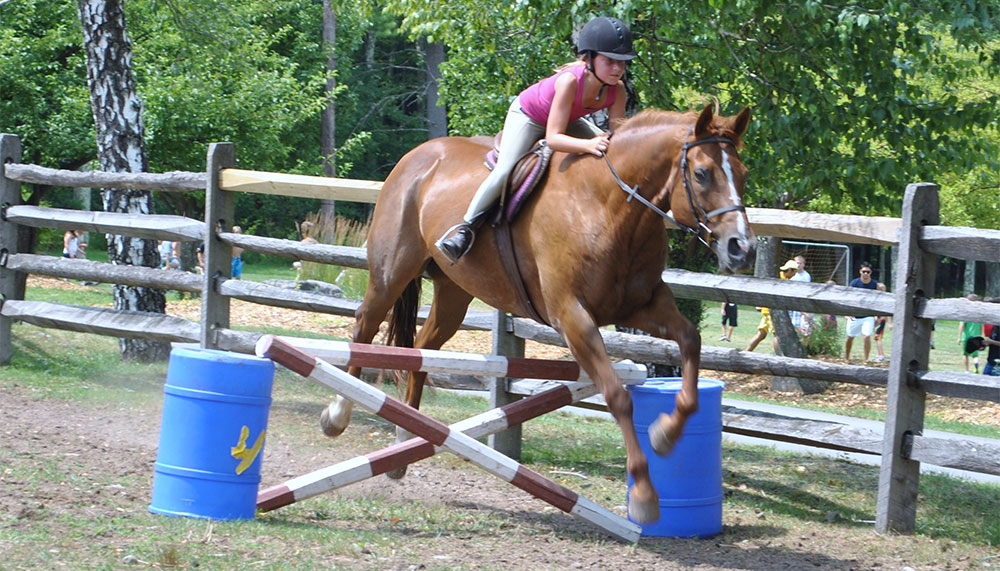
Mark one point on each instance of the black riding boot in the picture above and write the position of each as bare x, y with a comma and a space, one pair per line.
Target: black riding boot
457, 242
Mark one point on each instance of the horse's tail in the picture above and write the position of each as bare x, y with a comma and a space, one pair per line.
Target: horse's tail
403, 321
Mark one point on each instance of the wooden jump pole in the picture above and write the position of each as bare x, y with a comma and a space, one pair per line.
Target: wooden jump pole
438, 434
347, 354
404, 453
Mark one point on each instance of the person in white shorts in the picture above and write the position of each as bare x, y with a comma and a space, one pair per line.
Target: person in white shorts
861, 326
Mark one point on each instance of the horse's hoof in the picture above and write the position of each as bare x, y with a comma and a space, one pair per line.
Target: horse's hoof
326, 422
658, 438
402, 435
643, 512
396, 474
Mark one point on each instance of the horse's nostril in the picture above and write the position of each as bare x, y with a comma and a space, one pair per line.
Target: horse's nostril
736, 250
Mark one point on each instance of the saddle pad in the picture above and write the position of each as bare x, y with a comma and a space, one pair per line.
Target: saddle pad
526, 175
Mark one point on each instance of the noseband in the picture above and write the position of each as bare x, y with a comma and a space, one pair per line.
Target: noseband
701, 217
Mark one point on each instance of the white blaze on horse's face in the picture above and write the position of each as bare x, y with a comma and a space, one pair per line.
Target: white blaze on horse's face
734, 243
734, 195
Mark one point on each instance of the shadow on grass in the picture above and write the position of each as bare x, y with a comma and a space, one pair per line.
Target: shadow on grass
558, 531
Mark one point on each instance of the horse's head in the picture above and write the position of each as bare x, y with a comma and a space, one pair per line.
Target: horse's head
707, 197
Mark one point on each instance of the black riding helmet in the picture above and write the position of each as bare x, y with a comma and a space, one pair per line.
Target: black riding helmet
607, 36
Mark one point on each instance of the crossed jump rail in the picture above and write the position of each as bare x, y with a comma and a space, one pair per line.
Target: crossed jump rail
433, 435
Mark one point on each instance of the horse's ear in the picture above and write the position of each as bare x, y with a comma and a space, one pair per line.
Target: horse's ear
741, 122
704, 121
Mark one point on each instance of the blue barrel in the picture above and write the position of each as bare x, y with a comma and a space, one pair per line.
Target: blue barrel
689, 479
215, 409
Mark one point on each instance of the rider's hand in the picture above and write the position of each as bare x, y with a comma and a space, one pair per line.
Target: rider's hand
598, 145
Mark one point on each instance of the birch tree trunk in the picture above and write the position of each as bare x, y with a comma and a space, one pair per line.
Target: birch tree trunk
121, 148
328, 131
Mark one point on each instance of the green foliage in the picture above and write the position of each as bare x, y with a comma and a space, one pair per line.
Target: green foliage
823, 340
44, 98
851, 101
217, 71
252, 73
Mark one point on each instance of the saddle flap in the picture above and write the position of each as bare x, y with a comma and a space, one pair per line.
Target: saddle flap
524, 177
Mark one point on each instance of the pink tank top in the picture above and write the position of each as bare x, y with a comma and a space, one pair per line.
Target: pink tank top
536, 100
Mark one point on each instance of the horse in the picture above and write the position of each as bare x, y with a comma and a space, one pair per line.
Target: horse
590, 251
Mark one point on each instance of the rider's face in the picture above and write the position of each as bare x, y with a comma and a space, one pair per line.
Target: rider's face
609, 70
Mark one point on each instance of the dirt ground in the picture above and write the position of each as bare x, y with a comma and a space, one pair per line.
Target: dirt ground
102, 441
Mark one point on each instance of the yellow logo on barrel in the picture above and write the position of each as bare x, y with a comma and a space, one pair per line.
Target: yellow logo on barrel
246, 455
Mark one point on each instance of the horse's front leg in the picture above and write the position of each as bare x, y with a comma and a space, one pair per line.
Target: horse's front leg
661, 318
588, 348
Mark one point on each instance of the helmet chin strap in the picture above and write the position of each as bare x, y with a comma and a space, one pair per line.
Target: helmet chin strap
601, 90
590, 68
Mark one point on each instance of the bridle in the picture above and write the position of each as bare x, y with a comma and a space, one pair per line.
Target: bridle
701, 217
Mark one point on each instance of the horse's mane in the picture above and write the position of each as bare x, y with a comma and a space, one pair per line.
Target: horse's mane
641, 124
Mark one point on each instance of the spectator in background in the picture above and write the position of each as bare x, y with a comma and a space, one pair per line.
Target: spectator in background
880, 323
766, 326
802, 274
861, 326
73, 247
165, 248
297, 264
992, 343
237, 273
730, 313
175, 256
967, 329
200, 252
803, 322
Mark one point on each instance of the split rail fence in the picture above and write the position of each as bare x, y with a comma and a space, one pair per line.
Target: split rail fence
912, 304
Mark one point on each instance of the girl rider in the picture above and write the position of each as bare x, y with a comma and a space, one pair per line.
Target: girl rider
553, 108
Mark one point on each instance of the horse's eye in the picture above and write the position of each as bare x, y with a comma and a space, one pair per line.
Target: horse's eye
701, 175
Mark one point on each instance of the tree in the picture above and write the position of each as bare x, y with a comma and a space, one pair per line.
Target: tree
120, 148
437, 115
328, 133
851, 102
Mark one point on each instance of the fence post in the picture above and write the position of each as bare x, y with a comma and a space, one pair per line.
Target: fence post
506, 344
219, 213
10, 195
899, 476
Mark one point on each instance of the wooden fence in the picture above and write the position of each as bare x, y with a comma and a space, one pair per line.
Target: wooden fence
902, 445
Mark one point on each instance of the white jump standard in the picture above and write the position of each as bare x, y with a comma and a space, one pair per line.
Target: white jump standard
441, 435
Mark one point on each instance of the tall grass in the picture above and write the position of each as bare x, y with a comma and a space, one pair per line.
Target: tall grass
323, 228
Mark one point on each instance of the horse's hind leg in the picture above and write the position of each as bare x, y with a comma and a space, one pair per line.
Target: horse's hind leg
380, 295
661, 318
446, 314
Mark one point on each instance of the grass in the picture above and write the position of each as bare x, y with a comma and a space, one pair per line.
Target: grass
794, 492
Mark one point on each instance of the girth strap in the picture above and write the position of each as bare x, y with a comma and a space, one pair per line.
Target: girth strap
505, 247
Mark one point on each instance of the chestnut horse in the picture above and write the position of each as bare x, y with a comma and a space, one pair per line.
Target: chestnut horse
590, 254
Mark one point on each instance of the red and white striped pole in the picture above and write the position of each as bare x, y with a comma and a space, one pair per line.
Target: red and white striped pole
416, 449
434, 361
438, 434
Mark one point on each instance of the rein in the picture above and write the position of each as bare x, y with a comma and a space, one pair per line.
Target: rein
701, 217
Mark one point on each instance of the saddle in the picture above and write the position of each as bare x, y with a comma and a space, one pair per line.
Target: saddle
524, 178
